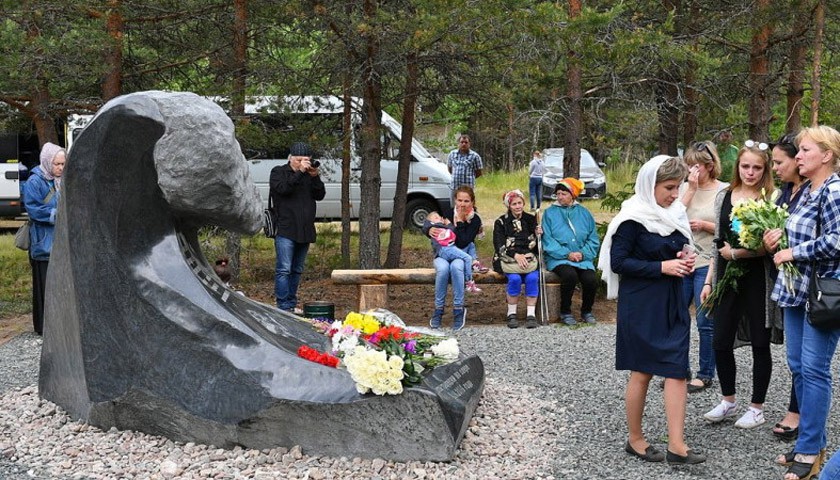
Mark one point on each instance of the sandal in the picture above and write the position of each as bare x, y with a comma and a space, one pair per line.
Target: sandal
785, 432
706, 383
804, 471
787, 458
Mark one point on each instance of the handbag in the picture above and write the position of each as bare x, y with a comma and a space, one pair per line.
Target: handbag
823, 302
269, 220
510, 265
22, 236
823, 305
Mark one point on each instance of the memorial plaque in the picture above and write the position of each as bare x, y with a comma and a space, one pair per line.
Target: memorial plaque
141, 335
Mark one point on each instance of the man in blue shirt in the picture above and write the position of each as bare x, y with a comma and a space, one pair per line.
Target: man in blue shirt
464, 164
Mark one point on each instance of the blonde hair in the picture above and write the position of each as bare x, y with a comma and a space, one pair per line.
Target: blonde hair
827, 138
704, 153
766, 181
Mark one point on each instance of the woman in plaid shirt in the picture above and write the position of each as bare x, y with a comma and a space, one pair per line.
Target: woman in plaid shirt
810, 350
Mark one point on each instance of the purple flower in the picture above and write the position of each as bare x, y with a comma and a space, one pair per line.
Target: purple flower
410, 346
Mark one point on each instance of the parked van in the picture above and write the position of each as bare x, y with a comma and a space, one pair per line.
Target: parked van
272, 124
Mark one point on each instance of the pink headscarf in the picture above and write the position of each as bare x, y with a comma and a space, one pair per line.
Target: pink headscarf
508, 197
48, 153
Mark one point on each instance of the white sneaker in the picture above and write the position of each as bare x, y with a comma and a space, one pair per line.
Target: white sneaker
751, 419
722, 411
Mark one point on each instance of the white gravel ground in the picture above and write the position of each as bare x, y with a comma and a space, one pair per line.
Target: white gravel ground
553, 408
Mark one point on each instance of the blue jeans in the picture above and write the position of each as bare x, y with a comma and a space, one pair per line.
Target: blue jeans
291, 257
693, 287
809, 352
470, 249
444, 272
535, 191
452, 253
831, 470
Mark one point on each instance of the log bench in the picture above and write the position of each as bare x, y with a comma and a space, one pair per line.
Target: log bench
373, 284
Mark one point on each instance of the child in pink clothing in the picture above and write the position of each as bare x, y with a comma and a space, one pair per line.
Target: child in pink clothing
444, 246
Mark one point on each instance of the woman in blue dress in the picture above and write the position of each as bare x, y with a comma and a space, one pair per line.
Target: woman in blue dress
645, 245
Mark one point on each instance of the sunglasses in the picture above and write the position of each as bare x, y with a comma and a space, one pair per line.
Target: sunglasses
788, 139
700, 146
753, 144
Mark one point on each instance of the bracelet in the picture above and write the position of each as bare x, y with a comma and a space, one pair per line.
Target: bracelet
707, 284
732, 252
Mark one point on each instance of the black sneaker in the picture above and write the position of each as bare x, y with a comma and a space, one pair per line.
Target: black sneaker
511, 321
531, 322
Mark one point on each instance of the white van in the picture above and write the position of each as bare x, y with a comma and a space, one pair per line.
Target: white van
272, 124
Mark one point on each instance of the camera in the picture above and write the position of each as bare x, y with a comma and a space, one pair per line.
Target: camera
315, 163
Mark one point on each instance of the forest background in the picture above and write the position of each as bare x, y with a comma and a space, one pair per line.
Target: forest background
622, 79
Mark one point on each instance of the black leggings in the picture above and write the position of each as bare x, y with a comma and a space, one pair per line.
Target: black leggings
749, 302
39, 285
569, 277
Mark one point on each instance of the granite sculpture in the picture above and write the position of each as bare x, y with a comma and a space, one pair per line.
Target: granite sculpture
141, 335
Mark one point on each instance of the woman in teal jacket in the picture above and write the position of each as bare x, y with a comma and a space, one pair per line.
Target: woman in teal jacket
41, 201
570, 244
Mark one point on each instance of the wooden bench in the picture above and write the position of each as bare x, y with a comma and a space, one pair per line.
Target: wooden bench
373, 284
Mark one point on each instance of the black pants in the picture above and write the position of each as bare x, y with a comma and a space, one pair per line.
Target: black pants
39, 284
569, 278
748, 302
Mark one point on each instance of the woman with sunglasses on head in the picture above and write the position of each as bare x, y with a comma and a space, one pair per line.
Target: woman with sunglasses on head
785, 168
698, 195
744, 314
813, 231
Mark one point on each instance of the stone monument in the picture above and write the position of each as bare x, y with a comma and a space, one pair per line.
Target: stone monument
140, 334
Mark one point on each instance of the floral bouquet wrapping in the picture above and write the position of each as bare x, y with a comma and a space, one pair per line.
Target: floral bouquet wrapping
380, 353
750, 219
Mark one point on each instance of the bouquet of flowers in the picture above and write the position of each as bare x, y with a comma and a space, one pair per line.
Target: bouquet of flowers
380, 353
750, 219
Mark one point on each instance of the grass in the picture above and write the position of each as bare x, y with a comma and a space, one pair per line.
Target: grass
257, 254
15, 279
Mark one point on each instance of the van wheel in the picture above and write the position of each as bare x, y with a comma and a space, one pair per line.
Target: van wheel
416, 211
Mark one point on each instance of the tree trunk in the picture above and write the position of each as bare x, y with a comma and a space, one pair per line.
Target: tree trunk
347, 135
759, 80
571, 154
816, 86
409, 104
371, 180
668, 113
240, 56
691, 95
511, 133
112, 83
233, 241
796, 74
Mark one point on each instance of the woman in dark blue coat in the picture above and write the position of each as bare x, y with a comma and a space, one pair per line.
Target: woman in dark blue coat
644, 244
41, 201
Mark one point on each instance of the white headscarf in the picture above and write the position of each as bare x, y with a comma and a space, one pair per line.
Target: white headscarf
48, 153
642, 208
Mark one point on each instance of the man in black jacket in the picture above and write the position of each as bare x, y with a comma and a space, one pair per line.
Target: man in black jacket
294, 189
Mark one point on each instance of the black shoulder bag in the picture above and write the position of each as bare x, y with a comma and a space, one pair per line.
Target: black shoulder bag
823, 294
269, 220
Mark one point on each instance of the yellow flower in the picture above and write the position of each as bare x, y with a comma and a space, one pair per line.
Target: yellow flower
367, 324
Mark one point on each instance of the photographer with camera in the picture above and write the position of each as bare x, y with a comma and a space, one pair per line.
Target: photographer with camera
294, 188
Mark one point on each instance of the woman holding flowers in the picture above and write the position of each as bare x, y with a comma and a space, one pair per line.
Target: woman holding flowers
813, 233
743, 279
785, 168
644, 244
515, 240
698, 195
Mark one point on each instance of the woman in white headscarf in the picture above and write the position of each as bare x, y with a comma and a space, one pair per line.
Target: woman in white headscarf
40, 197
645, 245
